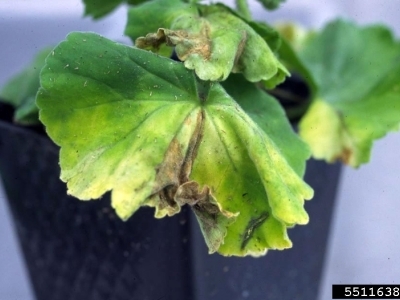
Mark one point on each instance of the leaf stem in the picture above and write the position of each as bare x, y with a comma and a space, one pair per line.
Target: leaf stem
243, 8
203, 88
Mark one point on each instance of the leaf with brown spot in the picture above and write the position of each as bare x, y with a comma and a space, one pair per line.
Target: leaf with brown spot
357, 74
213, 220
147, 129
216, 44
162, 14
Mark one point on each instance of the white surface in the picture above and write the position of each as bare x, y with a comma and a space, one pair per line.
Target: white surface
365, 237
43, 8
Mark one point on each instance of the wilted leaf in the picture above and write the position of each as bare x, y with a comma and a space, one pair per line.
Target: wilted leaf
147, 129
216, 44
151, 16
357, 72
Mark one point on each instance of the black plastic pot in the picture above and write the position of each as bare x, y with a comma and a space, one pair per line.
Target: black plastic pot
81, 251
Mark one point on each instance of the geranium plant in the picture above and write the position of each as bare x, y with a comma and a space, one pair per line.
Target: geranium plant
188, 115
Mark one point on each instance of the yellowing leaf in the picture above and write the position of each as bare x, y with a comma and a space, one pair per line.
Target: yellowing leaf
145, 128
216, 44
357, 74
326, 133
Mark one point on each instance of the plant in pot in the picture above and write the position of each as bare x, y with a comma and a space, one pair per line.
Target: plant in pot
194, 122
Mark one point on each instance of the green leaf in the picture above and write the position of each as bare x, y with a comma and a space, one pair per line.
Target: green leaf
269, 116
274, 41
216, 44
99, 8
145, 128
357, 71
271, 4
20, 91
270, 35
162, 14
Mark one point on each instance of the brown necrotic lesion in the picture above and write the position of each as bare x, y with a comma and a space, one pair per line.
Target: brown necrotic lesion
251, 227
175, 170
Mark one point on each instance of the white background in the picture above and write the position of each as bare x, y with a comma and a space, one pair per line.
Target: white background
365, 239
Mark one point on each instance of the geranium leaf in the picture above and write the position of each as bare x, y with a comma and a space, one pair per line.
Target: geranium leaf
162, 14
216, 44
145, 128
269, 116
269, 34
357, 72
20, 91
